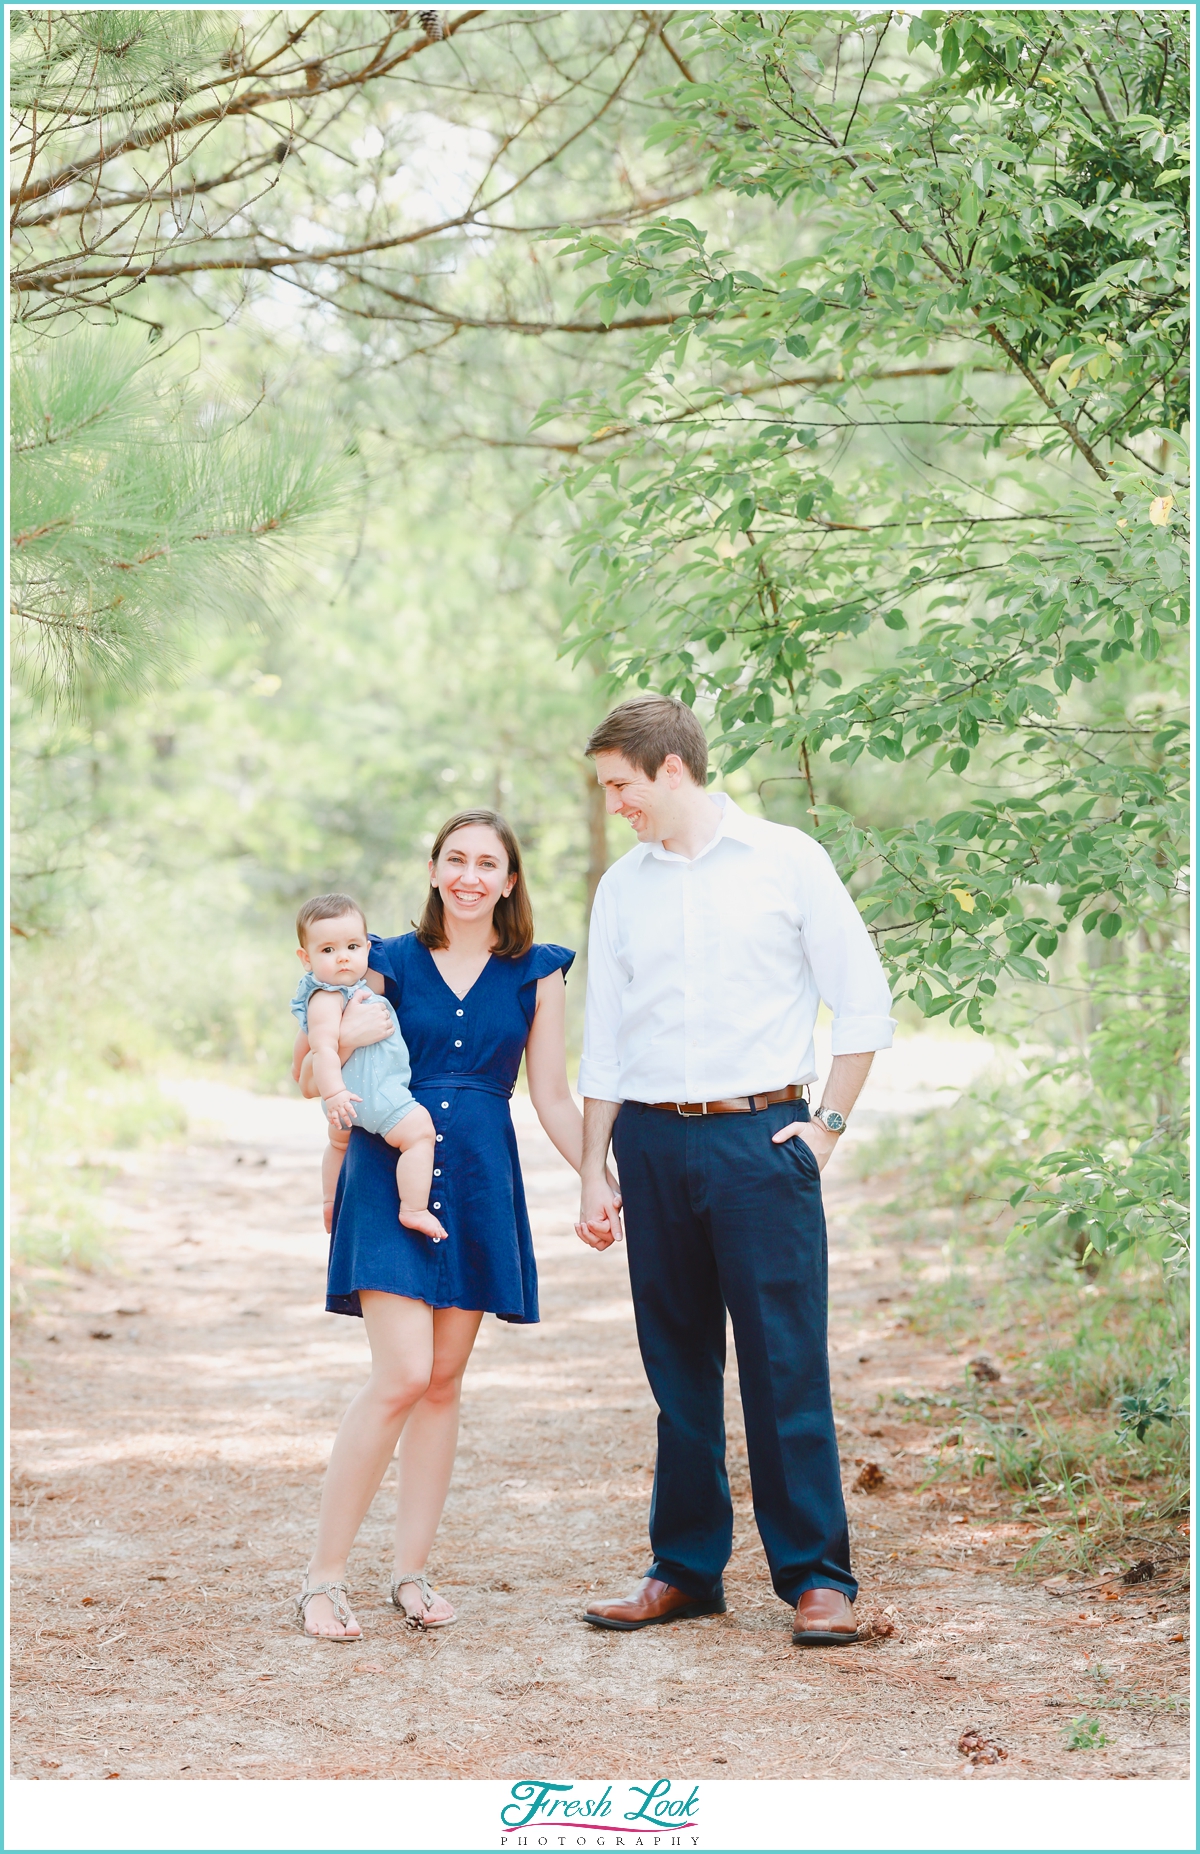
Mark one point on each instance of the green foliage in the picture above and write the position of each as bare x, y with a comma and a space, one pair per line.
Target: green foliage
136, 508
1154, 1404
759, 545
56, 1221
1085, 1734
292, 758
344, 153
234, 734
1110, 1201
1110, 1168
918, 493
962, 1157
1086, 1430
78, 65
83, 1047
879, 461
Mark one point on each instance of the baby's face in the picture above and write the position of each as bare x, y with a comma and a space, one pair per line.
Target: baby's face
336, 951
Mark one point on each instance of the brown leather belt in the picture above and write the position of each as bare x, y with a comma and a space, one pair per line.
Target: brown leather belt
740, 1104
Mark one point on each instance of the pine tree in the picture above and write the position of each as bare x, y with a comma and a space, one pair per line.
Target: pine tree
137, 507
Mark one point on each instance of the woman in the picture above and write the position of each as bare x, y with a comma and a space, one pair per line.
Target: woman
472, 993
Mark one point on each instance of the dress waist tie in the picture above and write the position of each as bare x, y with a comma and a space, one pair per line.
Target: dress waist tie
481, 1084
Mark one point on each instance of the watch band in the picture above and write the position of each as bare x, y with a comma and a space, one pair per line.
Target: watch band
831, 1120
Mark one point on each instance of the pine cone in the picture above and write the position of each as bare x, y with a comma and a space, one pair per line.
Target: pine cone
431, 24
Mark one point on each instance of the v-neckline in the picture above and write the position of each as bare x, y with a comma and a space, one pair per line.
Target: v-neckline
460, 996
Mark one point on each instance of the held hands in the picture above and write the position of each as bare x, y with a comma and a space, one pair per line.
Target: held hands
599, 1223
819, 1140
339, 1109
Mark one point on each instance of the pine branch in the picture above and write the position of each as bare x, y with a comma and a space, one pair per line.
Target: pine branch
246, 104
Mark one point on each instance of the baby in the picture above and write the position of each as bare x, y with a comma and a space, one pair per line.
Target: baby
333, 950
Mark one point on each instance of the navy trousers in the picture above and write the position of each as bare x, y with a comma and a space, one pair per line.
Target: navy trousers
716, 1218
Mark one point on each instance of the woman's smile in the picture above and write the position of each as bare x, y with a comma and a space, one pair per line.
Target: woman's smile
472, 872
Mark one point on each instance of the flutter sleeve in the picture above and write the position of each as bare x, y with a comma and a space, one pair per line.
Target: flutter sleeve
385, 958
304, 992
539, 963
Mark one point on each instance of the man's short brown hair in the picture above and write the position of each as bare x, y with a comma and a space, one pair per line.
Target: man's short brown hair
647, 728
326, 908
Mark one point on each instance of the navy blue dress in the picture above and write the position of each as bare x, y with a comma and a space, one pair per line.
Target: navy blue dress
465, 1056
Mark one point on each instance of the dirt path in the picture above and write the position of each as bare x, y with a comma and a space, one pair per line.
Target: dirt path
170, 1427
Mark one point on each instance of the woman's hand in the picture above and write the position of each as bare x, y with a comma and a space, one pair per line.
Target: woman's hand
599, 1224
364, 1021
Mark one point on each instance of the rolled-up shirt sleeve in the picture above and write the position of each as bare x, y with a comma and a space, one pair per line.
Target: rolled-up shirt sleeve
844, 962
600, 1069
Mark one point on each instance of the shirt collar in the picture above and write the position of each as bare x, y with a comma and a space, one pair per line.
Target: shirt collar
733, 823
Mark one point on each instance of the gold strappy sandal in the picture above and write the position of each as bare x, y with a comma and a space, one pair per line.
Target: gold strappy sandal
339, 1596
428, 1593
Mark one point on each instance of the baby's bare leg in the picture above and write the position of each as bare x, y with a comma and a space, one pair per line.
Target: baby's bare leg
414, 1137
331, 1165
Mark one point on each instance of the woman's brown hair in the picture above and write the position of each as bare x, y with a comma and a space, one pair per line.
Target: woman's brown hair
513, 917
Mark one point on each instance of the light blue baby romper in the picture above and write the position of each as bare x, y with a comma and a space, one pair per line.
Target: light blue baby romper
380, 1072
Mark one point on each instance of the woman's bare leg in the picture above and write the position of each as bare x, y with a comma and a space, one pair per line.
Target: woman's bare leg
401, 1336
427, 1447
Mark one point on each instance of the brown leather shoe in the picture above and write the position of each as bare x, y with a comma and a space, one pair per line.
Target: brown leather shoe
824, 1619
652, 1601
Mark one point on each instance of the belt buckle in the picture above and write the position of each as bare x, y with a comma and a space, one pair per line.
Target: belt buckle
683, 1109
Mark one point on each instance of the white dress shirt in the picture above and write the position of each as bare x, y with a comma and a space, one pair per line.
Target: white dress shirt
704, 976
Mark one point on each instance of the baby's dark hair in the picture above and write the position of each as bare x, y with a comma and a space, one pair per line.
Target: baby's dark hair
326, 908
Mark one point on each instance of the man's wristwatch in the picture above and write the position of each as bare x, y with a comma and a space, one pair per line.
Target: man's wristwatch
830, 1119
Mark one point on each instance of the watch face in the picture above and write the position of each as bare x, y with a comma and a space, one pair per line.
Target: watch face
832, 1119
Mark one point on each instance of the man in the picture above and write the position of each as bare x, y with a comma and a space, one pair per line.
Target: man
711, 946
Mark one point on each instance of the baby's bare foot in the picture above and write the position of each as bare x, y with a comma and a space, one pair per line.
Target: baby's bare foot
424, 1222
327, 1213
